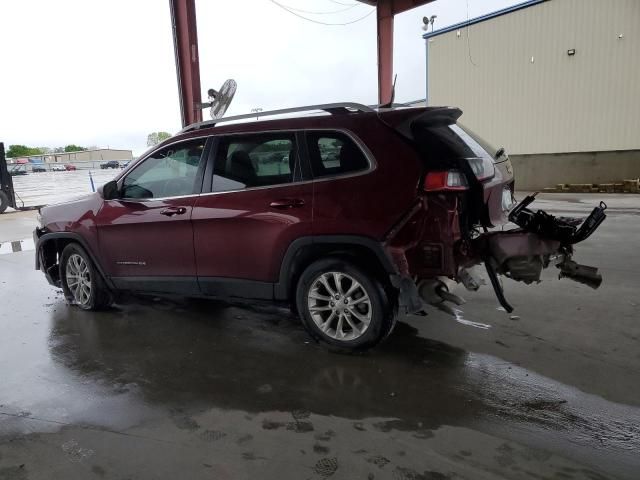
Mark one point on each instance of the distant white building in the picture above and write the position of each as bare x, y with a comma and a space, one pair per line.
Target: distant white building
100, 154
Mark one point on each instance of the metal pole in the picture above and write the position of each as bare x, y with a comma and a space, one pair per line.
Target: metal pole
384, 14
6, 182
427, 82
185, 43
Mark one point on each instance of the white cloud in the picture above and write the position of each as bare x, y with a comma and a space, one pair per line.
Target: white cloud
102, 72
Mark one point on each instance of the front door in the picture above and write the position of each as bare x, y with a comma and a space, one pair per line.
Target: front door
257, 206
145, 235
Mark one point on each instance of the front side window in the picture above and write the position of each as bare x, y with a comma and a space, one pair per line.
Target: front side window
255, 161
334, 154
170, 172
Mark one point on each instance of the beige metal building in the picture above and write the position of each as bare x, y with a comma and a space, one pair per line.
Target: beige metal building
101, 154
556, 82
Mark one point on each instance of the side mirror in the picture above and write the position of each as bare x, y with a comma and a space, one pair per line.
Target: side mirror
110, 190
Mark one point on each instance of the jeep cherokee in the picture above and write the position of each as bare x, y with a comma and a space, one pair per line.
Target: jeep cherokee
349, 216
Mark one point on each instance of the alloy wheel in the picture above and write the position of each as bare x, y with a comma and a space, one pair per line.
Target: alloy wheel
339, 305
79, 279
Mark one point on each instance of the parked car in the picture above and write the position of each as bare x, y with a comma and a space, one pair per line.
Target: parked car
20, 169
125, 164
370, 211
69, 167
58, 168
110, 164
38, 168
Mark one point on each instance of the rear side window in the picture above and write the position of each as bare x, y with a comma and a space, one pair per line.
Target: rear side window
333, 153
440, 145
255, 161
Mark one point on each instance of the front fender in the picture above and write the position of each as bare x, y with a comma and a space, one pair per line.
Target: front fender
48, 247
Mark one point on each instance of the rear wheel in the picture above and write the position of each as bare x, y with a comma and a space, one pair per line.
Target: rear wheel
81, 283
343, 305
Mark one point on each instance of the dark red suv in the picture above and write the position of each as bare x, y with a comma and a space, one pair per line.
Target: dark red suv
350, 216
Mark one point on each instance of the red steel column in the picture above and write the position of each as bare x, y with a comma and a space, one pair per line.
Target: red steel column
385, 49
185, 43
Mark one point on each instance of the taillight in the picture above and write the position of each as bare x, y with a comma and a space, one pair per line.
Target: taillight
443, 181
483, 168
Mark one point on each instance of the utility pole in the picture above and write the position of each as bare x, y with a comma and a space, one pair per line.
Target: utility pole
7, 194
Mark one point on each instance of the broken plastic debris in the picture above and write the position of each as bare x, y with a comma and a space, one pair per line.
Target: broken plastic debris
514, 317
460, 319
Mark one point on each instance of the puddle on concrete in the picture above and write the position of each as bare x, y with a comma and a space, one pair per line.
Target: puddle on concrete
17, 246
173, 369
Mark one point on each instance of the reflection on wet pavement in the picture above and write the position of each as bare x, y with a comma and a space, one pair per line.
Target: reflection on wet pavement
221, 374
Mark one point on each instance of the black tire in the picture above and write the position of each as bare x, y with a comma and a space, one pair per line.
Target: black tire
382, 313
99, 296
4, 202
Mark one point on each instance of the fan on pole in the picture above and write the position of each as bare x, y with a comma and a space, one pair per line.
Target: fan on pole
219, 100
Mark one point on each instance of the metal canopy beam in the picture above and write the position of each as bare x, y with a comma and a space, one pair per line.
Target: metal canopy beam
384, 16
185, 41
386, 11
185, 44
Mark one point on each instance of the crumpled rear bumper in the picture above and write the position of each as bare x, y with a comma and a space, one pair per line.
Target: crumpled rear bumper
521, 254
540, 240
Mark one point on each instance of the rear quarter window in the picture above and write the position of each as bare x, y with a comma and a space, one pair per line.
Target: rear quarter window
334, 153
448, 142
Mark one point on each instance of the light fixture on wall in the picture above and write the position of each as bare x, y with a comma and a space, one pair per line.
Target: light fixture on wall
571, 52
428, 21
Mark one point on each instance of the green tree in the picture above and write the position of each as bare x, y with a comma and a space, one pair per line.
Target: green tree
73, 148
154, 138
22, 151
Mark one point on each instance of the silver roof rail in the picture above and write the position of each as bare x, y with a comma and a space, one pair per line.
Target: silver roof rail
389, 106
333, 108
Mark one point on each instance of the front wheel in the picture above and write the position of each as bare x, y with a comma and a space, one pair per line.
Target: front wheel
81, 283
343, 305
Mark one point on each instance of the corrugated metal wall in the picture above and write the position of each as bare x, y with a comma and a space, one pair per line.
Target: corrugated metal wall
554, 103
89, 155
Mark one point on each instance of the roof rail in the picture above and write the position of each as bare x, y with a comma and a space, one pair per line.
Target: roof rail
399, 105
332, 108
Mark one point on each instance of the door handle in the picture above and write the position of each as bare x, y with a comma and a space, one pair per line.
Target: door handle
286, 203
170, 212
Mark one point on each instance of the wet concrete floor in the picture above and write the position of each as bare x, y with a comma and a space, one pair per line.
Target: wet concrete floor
158, 388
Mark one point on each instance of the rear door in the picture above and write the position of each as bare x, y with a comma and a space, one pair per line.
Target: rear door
257, 205
145, 236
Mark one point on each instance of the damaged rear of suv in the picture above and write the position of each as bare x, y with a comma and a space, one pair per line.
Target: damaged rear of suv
468, 189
